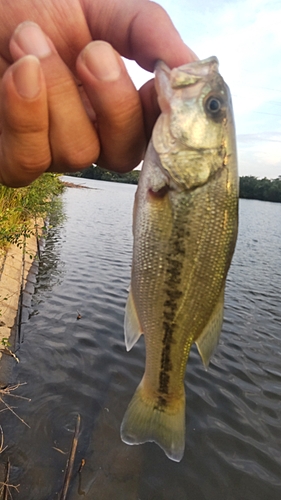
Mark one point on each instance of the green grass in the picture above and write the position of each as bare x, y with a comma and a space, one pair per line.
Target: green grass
19, 207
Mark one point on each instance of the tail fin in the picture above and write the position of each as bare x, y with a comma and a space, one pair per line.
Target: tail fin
145, 421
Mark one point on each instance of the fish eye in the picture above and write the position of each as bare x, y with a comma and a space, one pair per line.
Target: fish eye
213, 105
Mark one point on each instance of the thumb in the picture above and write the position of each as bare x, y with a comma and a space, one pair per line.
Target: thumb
24, 146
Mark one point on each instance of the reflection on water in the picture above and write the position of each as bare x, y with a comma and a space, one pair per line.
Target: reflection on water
71, 366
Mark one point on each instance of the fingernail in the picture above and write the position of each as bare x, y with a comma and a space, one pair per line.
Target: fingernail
101, 61
32, 40
26, 75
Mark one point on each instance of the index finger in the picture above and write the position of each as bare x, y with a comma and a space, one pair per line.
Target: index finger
139, 30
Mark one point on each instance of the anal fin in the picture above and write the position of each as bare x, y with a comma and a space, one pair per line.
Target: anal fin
209, 338
132, 328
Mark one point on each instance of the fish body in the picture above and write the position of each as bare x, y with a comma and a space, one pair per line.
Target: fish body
185, 229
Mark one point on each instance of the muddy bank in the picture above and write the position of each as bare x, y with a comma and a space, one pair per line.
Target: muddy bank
18, 269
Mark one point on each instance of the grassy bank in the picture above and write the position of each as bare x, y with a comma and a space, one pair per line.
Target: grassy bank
20, 207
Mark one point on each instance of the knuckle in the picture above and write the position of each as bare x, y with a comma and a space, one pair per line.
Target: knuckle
78, 158
123, 166
30, 160
25, 118
25, 126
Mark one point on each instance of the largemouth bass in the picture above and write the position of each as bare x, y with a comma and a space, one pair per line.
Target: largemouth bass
185, 229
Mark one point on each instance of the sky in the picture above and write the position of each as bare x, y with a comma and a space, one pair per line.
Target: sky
245, 35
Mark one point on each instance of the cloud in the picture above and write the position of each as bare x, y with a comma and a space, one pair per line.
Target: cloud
267, 136
259, 154
246, 38
245, 35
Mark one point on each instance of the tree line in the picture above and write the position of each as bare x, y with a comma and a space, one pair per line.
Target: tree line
95, 172
260, 189
250, 187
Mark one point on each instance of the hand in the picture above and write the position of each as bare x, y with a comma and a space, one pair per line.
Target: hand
67, 101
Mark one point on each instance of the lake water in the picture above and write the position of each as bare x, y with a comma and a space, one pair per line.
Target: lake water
70, 366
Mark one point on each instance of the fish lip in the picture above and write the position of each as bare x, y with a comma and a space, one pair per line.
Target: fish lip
196, 69
211, 62
199, 68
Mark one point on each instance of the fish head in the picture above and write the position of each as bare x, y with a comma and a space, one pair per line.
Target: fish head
194, 135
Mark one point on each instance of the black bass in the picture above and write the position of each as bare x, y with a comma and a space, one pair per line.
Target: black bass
185, 229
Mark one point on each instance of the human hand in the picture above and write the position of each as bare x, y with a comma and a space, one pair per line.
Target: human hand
67, 101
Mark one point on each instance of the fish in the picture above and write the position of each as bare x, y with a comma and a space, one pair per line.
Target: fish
185, 222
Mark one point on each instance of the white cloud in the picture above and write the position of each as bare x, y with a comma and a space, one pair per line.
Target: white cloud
246, 37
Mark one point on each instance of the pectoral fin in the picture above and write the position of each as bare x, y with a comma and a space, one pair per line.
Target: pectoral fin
132, 328
209, 338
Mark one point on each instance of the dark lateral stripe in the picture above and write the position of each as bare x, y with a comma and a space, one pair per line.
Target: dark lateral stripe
172, 282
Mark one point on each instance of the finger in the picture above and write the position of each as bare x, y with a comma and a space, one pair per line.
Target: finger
117, 106
24, 147
73, 139
3, 66
139, 30
63, 21
150, 106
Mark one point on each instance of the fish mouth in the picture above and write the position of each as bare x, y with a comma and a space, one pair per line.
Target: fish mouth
201, 68
190, 73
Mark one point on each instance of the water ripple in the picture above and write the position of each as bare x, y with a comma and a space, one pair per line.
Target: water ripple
233, 417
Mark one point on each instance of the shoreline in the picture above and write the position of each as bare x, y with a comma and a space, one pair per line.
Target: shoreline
18, 270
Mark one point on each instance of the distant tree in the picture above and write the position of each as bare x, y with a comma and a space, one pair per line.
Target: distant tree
250, 186
96, 172
260, 189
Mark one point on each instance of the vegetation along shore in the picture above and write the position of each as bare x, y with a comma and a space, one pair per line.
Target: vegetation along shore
20, 207
22, 212
250, 186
